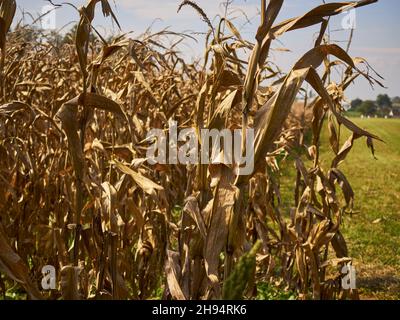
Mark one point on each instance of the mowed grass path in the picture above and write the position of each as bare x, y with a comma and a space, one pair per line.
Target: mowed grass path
373, 232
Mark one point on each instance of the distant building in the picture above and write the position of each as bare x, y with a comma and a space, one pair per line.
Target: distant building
395, 110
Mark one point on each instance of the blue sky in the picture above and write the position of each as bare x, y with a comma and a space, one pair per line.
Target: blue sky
376, 35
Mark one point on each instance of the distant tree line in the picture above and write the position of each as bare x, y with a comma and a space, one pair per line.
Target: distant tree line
383, 106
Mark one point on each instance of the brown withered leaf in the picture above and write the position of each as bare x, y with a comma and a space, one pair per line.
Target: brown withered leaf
192, 208
14, 267
173, 272
70, 279
219, 217
339, 245
144, 183
7, 12
109, 203
336, 174
220, 116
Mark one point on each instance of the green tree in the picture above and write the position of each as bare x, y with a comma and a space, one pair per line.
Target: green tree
367, 108
396, 100
383, 100
355, 104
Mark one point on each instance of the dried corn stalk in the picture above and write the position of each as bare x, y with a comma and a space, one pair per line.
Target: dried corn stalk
77, 191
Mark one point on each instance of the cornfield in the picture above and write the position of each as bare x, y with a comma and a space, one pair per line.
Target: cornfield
77, 192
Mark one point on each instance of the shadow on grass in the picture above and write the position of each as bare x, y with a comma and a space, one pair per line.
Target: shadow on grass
386, 286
